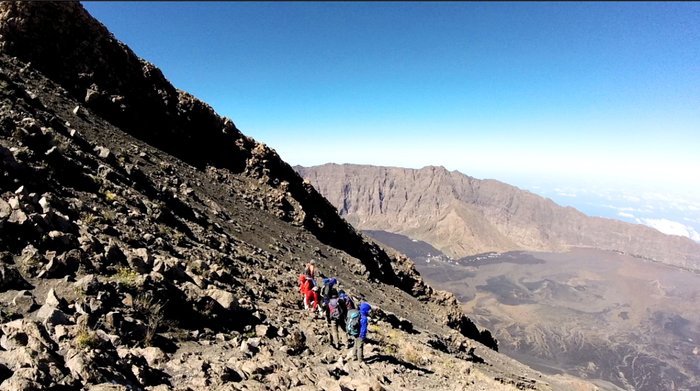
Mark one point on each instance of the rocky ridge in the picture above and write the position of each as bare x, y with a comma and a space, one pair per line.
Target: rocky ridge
463, 216
146, 243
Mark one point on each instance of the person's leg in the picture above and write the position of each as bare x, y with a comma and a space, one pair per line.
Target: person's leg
345, 337
313, 297
341, 331
334, 334
359, 346
354, 350
316, 303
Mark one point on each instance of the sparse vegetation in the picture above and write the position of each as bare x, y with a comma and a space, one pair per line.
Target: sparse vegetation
388, 339
109, 215
86, 339
97, 180
110, 196
88, 219
152, 310
394, 343
6, 315
79, 292
409, 353
178, 236
126, 276
31, 263
170, 233
196, 268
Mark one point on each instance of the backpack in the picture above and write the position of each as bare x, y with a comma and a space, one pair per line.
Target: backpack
346, 301
352, 326
334, 309
349, 304
325, 291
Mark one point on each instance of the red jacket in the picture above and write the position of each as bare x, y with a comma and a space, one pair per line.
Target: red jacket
302, 280
306, 285
307, 289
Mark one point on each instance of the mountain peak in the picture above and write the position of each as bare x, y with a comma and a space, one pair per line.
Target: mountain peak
64, 42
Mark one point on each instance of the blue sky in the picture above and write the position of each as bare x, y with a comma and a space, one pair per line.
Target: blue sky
594, 92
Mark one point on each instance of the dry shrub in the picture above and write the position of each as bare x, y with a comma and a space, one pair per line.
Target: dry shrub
411, 354
153, 311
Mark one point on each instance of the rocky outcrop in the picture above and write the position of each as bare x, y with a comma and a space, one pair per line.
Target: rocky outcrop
145, 243
462, 216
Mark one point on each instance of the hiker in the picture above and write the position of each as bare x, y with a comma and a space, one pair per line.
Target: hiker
336, 314
357, 328
328, 290
324, 292
309, 290
334, 319
347, 302
302, 281
311, 269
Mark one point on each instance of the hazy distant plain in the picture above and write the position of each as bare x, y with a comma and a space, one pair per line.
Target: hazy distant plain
590, 313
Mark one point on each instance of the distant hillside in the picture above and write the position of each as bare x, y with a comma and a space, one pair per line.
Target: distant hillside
462, 216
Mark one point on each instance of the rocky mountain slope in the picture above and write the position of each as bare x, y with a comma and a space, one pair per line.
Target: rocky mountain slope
146, 243
462, 216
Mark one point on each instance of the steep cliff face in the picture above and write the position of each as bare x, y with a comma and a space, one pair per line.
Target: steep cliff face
463, 216
146, 242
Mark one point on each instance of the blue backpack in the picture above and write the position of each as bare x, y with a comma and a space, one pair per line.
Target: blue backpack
353, 323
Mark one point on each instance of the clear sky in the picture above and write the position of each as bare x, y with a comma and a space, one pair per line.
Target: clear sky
560, 91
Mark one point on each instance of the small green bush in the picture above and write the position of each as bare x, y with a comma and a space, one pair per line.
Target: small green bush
88, 219
110, 196
126, 276
86, 339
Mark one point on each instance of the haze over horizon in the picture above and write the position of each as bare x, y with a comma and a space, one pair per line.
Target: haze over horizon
570, 101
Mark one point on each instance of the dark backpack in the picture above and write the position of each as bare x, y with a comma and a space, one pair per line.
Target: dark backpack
352, 326
327, 292
349, 304
334, 309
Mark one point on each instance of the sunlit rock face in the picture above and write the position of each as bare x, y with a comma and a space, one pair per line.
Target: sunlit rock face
462, 216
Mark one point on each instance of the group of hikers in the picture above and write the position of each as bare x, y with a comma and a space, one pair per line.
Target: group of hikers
342, 316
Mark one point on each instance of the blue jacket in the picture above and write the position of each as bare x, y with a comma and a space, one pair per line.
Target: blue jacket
364, 311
